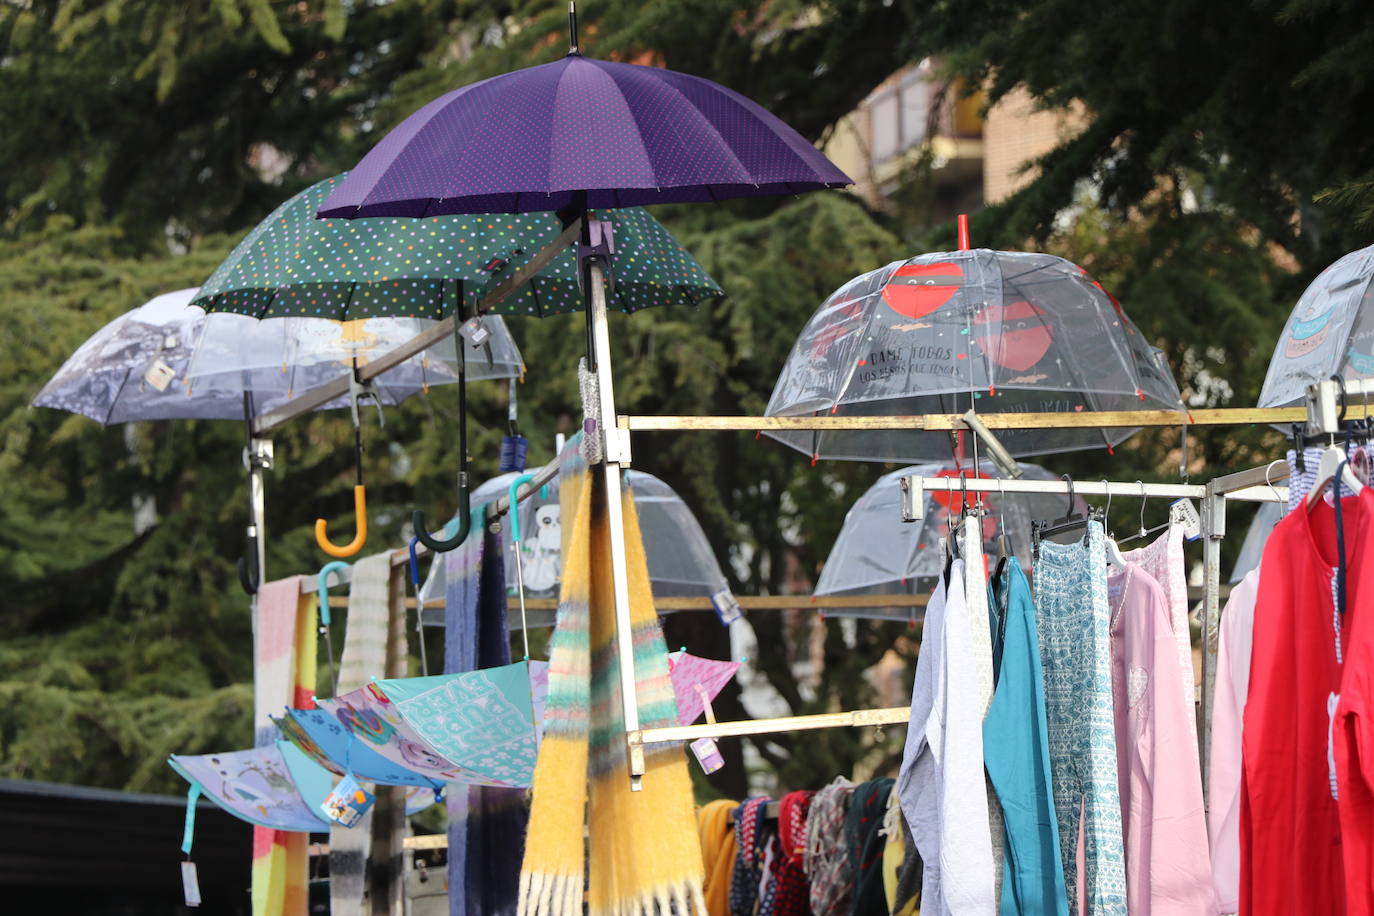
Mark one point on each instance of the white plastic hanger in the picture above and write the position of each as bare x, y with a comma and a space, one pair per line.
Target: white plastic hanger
1327, 468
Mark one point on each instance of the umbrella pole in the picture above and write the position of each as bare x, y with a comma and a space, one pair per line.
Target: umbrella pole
614, 453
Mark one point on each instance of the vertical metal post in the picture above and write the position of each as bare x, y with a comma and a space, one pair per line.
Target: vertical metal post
1213, 531
260, 459
616, 453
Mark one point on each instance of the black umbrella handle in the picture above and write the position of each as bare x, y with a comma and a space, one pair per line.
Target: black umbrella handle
248, 566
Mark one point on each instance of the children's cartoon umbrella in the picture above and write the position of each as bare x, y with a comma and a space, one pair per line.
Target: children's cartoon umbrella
1330, 332
274, 786
340, 750
136, 367
999, 331
292, 264
681, 562
479, 727
877, 553
690, 672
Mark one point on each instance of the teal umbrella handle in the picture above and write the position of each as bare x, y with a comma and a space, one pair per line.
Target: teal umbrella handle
513, 509
322, 587
438, 545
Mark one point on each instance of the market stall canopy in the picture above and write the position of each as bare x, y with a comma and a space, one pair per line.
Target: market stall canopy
293, 264
1002, 331
136, 367
877, 553
1330, 332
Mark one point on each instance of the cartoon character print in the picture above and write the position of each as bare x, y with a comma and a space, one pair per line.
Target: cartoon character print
365, 723
542, 550
916, 290
1012, 335
1310, 324
418, 757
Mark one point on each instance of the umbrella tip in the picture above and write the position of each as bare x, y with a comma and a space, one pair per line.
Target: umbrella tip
963, 229
572, 28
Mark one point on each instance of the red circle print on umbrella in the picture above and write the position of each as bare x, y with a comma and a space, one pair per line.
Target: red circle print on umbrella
916, 290
1014, 336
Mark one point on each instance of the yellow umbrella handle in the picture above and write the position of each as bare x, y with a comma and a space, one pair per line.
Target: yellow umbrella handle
359, 538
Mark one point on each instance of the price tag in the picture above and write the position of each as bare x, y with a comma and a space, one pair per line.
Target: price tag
475, 331
159, 375
190, 884
707, 754
1183, 513
727, 607
347, 804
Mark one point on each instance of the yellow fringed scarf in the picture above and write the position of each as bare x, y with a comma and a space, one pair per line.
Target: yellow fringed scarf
644, 854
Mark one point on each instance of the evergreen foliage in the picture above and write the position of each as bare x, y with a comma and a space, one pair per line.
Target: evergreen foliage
1223, 161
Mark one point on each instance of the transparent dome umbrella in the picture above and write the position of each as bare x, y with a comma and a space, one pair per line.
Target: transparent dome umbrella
1002, 331
292, 355
138, 366
1330, 332
877, 553
681, 562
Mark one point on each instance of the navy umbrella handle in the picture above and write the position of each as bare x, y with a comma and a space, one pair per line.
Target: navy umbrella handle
248, 567
417, 520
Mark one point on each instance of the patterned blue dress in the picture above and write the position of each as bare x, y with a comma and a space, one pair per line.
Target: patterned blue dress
1075, 649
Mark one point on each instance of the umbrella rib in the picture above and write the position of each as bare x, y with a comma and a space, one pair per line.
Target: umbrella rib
109, 417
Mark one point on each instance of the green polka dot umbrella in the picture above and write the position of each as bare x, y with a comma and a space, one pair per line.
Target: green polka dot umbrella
293, 264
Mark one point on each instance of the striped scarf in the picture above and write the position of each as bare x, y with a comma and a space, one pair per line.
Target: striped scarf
644, 855
283, 675
364, 657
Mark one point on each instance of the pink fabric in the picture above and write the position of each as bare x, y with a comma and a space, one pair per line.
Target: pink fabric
1164, 823
1228, 708
1163, 561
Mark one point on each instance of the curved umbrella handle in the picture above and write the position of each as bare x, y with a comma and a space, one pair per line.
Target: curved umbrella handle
514, 506
359, 538
417, 520
248, 574
322, 587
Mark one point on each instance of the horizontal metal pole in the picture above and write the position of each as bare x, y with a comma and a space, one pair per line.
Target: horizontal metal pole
686, 603
1105, 419
1080, 487
896, 715
1228, 484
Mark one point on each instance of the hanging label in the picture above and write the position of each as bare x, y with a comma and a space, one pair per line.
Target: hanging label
475, 331
1184, 514
727, 606
347, 804
190, 884
707, 754
159, 375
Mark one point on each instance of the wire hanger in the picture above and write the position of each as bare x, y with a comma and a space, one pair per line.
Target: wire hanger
1114, 556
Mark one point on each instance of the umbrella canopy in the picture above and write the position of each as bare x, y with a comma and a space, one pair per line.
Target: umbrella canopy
478, 727
580, 133
274, 786
1003, 331
681, 562
293, 264
877, 553
1331, 332
137, 367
